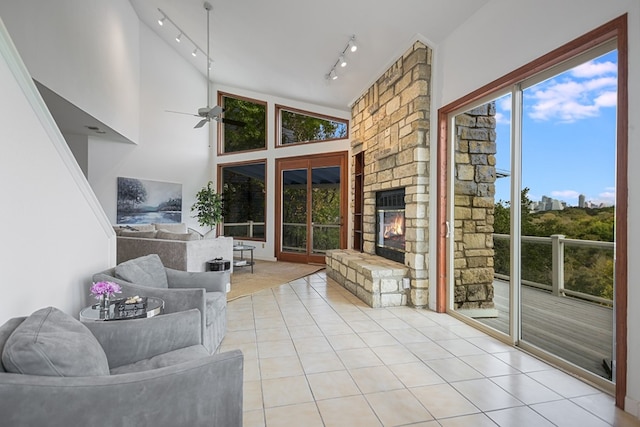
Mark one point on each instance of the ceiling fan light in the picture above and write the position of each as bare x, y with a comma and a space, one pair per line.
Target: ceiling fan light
179, 37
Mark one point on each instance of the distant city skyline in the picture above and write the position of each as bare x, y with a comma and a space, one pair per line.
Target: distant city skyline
568, 135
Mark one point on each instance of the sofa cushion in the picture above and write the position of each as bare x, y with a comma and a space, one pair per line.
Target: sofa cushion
146, 271
140, 234
170, 358
168, 235
52, 343
173, 227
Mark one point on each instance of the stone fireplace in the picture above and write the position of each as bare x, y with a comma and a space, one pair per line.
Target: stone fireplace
390, 130
390, 143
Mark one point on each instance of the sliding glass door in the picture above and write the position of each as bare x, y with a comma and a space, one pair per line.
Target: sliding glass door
532, 208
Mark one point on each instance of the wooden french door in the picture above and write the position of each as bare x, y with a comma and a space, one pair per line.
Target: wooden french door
311, 207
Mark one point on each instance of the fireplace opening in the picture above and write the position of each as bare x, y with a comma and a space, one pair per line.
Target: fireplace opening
390, 224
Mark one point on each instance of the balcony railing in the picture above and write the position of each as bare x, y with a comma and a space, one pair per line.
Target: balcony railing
250, 227
558, 243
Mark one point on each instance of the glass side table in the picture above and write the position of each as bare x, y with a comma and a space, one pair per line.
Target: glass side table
242, 262
93, 313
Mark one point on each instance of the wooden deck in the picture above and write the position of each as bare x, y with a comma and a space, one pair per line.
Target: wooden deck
577, 331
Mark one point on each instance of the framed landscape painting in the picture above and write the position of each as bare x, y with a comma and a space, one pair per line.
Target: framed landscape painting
144, 202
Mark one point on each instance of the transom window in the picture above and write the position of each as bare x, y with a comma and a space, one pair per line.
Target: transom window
299, 127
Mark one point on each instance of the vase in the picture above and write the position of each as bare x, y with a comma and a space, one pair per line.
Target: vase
104, 302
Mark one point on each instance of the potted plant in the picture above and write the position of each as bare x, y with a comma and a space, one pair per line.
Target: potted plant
208, 208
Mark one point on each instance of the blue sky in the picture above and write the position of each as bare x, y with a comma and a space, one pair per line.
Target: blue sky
568, 138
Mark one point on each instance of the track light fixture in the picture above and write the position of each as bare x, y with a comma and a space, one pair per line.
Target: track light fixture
342, 58
181, 33
352, 44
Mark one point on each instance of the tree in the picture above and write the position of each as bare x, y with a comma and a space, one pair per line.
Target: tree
130, 192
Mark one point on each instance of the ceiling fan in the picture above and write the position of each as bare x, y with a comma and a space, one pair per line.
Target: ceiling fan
210, 113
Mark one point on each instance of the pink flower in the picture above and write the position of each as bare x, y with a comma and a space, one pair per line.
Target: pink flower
105, 288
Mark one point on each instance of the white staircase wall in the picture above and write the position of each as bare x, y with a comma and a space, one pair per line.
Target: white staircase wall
55, 234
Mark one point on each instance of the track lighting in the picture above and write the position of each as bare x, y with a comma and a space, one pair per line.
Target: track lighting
181, 34
342, 58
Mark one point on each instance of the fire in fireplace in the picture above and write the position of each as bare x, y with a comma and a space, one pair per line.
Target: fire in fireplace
390, 227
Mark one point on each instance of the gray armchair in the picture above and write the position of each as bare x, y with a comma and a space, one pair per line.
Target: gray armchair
180, 290
58, 371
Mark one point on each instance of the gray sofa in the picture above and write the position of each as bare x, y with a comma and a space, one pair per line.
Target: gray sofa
180, 290
177, 246
56, 371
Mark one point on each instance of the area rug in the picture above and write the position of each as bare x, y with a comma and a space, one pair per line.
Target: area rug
267, 274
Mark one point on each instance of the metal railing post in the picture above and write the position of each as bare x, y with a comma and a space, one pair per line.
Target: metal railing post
557, 273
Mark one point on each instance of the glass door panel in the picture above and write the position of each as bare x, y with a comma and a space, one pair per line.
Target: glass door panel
567, 220
325, 209
294, 211
481, 233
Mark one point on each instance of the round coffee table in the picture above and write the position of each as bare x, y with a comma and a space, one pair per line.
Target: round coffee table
93, 313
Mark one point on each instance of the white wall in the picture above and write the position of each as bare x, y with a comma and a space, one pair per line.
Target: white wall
507, 34
55, 236
168, 149
86, 51
266, 250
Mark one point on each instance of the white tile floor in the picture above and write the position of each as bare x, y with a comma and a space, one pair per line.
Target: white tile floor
315, 355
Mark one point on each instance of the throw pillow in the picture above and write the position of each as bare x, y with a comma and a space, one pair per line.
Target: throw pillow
167, 235
140, 234
52, 343
146, 271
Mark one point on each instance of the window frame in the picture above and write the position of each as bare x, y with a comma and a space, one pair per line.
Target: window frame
221, 184
278, 125
221, 141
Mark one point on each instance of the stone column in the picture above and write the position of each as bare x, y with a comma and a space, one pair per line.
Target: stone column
475, 176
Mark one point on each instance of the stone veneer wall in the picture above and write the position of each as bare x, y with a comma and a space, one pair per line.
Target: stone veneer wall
390, 123
475, 177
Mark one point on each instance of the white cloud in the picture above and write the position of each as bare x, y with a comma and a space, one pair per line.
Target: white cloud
565, 194
502, 119
577, 94
592, 68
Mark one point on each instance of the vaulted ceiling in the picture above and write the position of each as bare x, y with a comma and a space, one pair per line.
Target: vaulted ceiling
287, 47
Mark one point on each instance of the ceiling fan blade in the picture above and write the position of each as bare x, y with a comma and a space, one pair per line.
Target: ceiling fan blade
181, 112
216, 111
233, 122
201, 123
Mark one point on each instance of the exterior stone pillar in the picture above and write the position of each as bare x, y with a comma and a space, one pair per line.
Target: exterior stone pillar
475, 176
